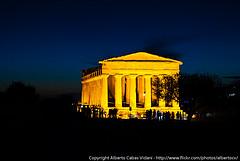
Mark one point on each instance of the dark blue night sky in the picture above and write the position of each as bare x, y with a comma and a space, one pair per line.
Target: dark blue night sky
48, 43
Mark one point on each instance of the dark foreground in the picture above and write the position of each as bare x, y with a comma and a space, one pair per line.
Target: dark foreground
74, 138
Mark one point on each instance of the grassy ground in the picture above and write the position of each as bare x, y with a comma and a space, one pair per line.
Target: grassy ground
74, 138
82, 138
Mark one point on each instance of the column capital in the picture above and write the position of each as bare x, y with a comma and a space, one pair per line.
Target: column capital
132, 75
105, 75
147, 76
118, 76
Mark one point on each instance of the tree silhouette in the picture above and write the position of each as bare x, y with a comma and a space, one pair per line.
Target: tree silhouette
19, 100
196, 93
200, 93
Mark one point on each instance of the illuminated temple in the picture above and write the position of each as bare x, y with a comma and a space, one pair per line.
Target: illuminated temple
126, 83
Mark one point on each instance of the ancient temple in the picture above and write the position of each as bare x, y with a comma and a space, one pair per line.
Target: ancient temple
125, 83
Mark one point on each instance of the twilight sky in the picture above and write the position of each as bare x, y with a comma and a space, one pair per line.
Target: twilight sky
48, 43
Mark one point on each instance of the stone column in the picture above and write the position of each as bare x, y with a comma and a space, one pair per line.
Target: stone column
90, 92
104, 99
99, 91
85, 93
118, 90
127, 90
148, 91
133, 90
161, 101
94, 91
82, 96
141, 90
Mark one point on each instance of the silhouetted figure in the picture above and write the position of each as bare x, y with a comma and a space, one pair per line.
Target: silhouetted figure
115, 113
158, 115
180, 115
164, 116
100, 113
150, 114
172, 116
168, 116
147, 114
88, 112
154, 114
177, 115
94, 112
110, 113
105, 114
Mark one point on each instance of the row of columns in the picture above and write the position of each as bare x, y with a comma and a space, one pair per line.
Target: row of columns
95, 92
131, 88
91, 92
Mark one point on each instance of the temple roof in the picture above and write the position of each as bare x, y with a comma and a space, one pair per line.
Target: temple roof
141, 56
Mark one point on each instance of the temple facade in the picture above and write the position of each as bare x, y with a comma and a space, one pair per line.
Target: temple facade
126, 83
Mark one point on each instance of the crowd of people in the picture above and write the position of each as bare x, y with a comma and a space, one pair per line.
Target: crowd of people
158, 115
98, 112
94, 112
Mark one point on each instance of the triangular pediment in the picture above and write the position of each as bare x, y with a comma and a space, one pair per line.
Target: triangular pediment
141, 56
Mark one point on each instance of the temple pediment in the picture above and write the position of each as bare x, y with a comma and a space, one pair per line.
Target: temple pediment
142, 57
